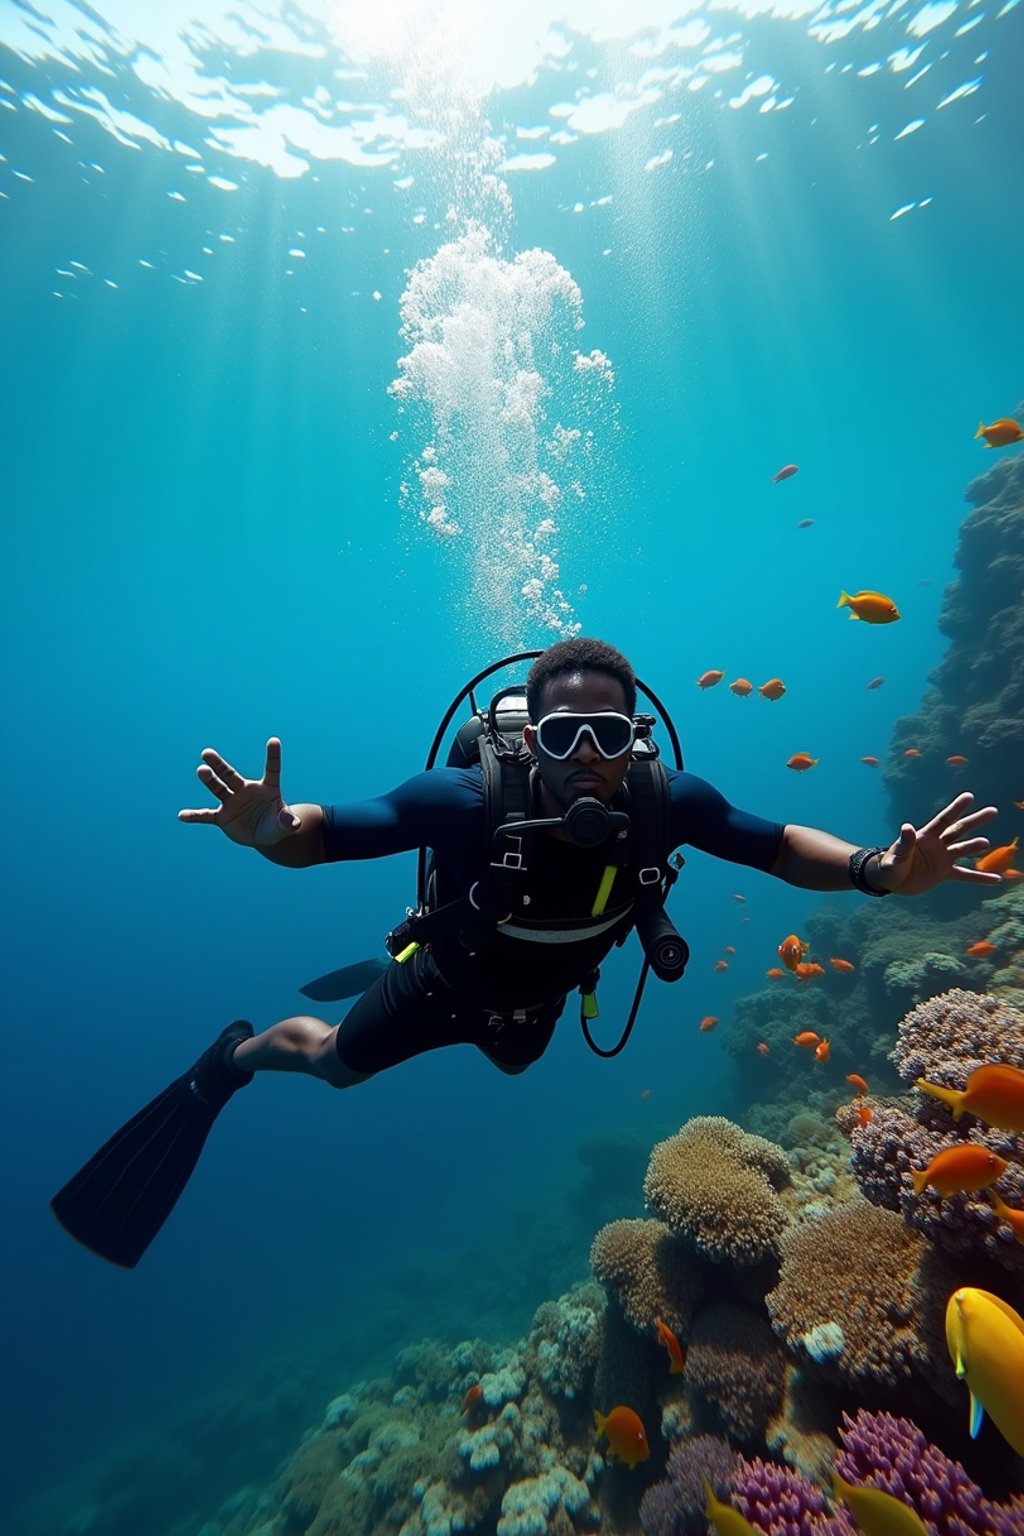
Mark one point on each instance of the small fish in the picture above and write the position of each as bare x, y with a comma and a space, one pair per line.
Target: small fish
645, 1093
876, 682
956, 761
838, 964
775, 974
730, 949
806, 1038
1013, 874
738, 897
878, 1513
982, 948
726, 1520
801, 761
872, 607
1001, 434
791, 951
821, 1050
671, 1343
857, 1081
872, 762
864, 1114
997, 859
994, 1093
472, 1398
625, 1433
709, 679
707, 1024
912, 752
785, 473
806, 522
960, 1170
721, 965
1019, 804
773, 689
1013, 1218
806, 970
741, 687
762, 1048
985, 1338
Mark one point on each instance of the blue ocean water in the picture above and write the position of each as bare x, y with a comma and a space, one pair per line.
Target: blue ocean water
789, 237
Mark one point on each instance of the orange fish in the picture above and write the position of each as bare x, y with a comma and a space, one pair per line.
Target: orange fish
995, 1093
708, 1023
997, 859
785, 473
864, 1114
1019, 804
806, 1038
821, 1051
730, 949
1009, 1214
982, 948
1013, 874
801, 761
806, 970
1001, 434
911, 752
721, 965
790, 952
709, 679
857, 1081
963, 1168
956, 761
872, 607
773, 689
741, 687
806, 522
472, 1398
762, 1048
627, 1438
671, 1343
775, 974
876, 682
841, 965
872, 762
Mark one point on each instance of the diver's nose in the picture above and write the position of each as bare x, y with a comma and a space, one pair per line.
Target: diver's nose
585, 751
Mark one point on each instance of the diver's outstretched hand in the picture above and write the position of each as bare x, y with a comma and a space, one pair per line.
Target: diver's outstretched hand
251, 811
923, 857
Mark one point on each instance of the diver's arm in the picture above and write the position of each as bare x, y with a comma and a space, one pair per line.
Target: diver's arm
817, 861
303, 848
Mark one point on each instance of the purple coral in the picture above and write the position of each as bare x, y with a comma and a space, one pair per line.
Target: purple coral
781, 1502
675, 1507
880, 1451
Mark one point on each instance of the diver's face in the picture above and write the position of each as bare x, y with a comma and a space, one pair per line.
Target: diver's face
584, 771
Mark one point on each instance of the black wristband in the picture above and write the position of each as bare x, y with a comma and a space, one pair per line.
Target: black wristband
857, 863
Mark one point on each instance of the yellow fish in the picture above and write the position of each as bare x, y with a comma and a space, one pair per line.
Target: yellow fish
726, 1520
872, 607
878, 1513
985, 1337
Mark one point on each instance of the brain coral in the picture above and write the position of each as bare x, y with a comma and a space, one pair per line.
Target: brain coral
862, 1268
715, 1186
649, 1271
736, 1370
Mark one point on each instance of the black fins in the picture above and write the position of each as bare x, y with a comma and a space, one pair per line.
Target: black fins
347, 982
117, 1203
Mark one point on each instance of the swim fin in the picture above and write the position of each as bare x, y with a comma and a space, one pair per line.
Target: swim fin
347, 982
117, 1203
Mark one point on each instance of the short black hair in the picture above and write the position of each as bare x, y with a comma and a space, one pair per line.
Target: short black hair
579, 655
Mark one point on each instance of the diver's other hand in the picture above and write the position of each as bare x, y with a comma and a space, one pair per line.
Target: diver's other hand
251, 811
922, 858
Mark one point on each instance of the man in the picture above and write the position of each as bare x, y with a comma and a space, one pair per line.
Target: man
505, 994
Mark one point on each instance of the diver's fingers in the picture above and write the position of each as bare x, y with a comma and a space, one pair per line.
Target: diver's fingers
942, 820
969, 849
216, 786
974, 876
272, 770
195, 816
971, 823
220, 765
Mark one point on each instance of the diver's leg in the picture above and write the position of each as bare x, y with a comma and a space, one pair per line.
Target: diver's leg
299, 1044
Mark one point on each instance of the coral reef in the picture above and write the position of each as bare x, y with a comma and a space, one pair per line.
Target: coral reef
715, 1186
650, 1273
675, 1507
859, 1272
735, 1370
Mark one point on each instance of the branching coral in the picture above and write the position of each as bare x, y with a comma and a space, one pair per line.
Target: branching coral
716, 1188
860, 1268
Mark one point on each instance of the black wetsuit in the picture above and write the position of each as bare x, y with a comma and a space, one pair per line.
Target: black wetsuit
507, 997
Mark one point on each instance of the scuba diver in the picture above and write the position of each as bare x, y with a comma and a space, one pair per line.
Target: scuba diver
550, 835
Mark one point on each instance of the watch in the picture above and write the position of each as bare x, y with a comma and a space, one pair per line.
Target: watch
857, 863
